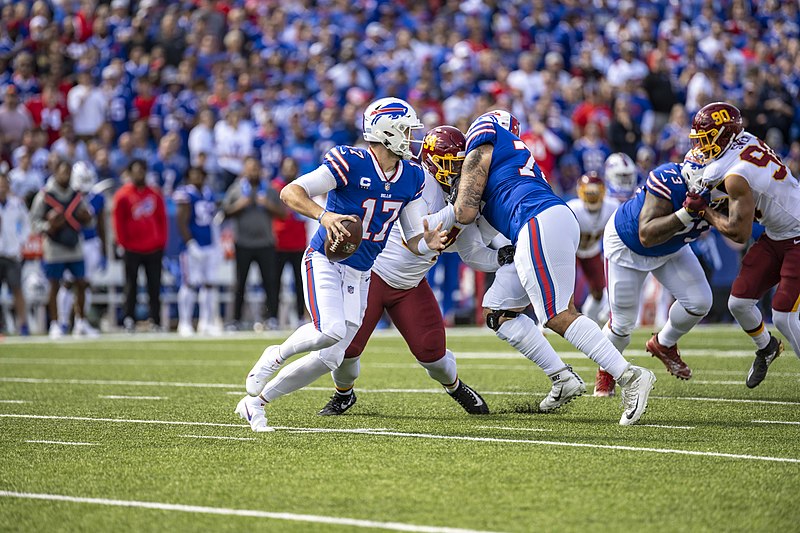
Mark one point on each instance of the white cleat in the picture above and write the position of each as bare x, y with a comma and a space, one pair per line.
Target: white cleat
252, 410
55, 330
267, 364
567, 385
211, 329
84, 329
185, 330
638, 382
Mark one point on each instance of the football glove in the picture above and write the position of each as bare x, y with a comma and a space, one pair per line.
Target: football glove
695, 204
505, 255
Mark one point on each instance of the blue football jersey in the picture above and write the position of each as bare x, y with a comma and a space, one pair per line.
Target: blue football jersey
362, 189
201, 211
516, 189
96, 203
664, 182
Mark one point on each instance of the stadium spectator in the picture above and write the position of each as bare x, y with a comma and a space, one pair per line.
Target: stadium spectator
624, 132
15, 120
14, 231
87, 105
234, 138
290, 240
69, 146
58, 213
252, 204
48, 111
25, 181
140, 225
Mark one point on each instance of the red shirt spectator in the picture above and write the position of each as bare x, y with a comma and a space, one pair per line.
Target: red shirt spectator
290, 232
140, 219
48, 112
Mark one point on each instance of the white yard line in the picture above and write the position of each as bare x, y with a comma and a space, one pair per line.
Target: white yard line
112, 397
664, 426
386, 433
315, 519
784, 422
13, 401
725, 400
122, 382
215, 437
61, 442
513, 429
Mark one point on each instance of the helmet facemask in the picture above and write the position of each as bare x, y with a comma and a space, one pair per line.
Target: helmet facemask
448, 167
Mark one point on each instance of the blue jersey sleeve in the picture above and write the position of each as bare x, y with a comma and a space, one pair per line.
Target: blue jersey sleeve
181, 196
336, 159
657, 186
667, 183
421, 180
482, 132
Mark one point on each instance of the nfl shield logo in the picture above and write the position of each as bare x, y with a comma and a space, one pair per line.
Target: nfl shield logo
351, 289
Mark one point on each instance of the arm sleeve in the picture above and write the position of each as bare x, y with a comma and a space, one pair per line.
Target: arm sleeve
411, 218
482, 132
180, 196
474, 253
657, 187
317, 182
446, 216
336, 163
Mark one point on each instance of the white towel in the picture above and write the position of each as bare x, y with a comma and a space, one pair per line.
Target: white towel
351, 289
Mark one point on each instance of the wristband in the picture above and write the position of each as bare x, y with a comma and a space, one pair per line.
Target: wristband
422, 247
319, 218
684, 216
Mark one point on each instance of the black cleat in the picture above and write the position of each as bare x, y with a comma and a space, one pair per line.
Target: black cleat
470, 400
764, 358
338, 404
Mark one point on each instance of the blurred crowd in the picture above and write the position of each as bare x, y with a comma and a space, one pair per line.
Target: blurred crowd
208, 84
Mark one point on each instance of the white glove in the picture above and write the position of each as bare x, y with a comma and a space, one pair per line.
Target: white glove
193, 249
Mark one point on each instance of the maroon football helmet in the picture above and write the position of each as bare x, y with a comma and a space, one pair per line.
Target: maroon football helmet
443, 152
714, 128
591, 190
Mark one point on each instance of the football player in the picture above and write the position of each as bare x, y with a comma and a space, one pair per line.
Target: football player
500, 177
199, 258
593, 208
400, 287
621, 175
379, 185
649, 234
747, 175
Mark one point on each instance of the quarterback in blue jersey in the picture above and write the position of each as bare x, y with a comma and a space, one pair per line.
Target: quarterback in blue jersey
649, 234
379, 185
501, 180
200, 255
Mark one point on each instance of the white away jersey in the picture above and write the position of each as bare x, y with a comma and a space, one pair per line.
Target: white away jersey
775, 190
592, 224
402, 269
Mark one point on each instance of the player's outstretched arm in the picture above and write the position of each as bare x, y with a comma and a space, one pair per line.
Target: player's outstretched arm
738, 225
423, 239
657, 222
477, 255
474, 174
297, 196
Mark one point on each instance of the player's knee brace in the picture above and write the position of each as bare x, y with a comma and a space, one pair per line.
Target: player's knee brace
493, 317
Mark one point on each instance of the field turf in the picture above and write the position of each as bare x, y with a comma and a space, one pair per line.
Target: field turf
711, 455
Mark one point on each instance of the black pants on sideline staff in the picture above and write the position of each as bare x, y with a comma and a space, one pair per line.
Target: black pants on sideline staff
296, 260
152, 270
264, 257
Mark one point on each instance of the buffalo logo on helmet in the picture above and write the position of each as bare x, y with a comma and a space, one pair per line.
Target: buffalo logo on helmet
714, 128
504, 118
591, 190
443, 153
393, 110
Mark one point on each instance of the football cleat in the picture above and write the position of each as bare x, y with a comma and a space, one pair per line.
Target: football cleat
83, 329
635, 386
252, 410
267, 364
55, 330
671, 358
185, 329
764, 358
471, 401
338, 404
567, 385
604, 384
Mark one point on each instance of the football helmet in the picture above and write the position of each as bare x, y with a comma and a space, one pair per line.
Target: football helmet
692, 170
83, 177
504, 118
591, 190
389, 121
443, 152
714, 128
620, 174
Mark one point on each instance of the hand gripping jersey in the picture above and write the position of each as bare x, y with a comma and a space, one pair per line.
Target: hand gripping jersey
516, 189
96, 204
775, 190
664, 182
402, 269
201, 211
592, 225
363, 189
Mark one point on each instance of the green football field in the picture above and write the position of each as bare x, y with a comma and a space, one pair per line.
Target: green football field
138, 434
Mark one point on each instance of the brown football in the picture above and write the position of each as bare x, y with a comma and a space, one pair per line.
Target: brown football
341, 249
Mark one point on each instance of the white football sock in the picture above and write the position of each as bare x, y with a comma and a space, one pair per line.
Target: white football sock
586, 336
523, 334
679, 323
87, 301
789, 325
620, 342
306, 338
186, 298
65, 299
747, 314
593, 308
444, 370
345, 376
208, 302
295, 376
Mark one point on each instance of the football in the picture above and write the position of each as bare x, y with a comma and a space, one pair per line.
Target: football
341, 249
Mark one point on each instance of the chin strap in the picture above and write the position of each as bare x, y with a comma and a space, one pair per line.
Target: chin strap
493, 318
